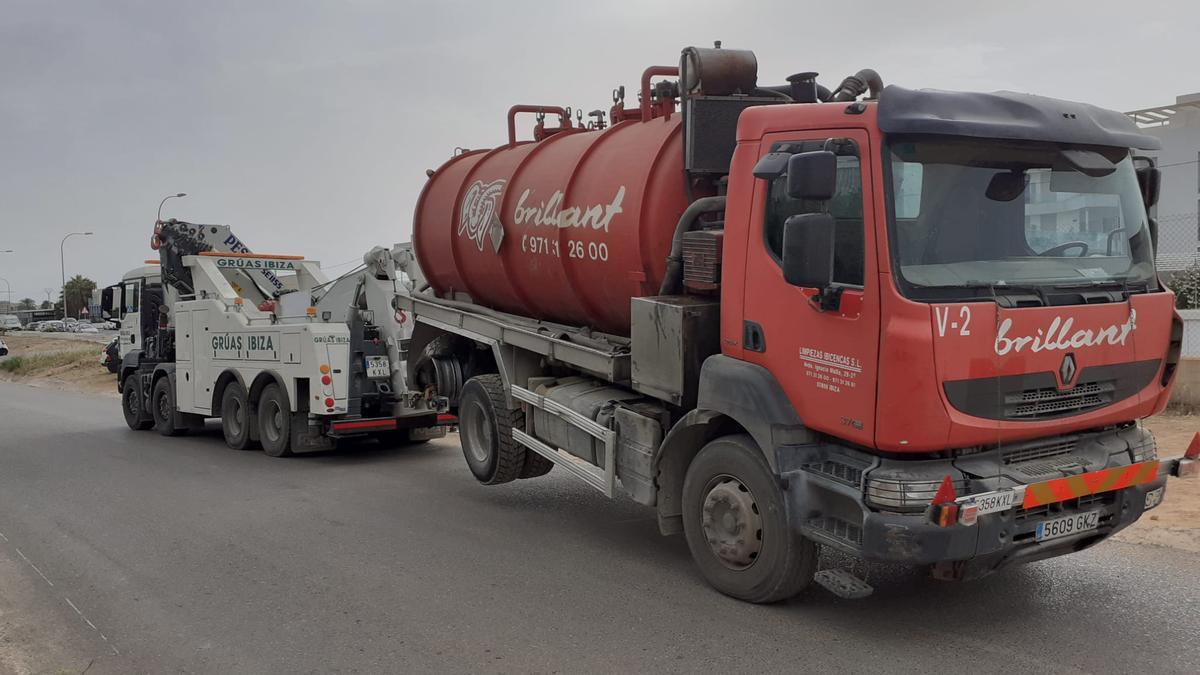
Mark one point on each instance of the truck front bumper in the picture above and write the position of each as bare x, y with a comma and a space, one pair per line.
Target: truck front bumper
826, 497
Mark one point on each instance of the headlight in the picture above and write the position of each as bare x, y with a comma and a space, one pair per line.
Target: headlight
905, 495
1145, 452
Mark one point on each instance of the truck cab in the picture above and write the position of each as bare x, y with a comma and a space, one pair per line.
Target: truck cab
121, 303
949, 288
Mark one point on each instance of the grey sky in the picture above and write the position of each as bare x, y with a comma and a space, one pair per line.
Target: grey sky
308, 126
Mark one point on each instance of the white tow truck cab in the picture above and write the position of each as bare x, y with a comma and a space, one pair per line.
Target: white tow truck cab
257, 341
121, 304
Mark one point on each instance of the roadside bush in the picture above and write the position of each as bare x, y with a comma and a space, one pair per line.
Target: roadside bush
1186, 285
36, 363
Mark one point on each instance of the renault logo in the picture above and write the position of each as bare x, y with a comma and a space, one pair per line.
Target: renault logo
1066, 372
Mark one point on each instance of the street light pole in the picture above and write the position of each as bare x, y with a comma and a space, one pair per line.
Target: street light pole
63, 263
6, 284
164, 201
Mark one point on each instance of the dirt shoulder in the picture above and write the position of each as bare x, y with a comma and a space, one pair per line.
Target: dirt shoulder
1176, 523
57, 362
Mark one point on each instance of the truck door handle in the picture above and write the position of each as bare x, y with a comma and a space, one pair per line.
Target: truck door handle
753, 338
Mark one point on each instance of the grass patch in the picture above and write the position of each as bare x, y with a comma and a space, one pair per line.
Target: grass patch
38, 363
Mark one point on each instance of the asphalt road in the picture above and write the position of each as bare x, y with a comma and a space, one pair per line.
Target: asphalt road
188, 556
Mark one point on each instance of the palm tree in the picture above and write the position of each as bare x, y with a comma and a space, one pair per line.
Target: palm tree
77, 293
27, 303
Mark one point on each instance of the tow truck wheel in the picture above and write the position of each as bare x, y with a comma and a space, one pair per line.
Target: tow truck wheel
236, 418
275, 422
736, 525
162, 407
485, 424
131, 405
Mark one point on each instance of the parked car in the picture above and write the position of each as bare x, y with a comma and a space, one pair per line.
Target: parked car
9, 322
110, 358
52, 327
84, 328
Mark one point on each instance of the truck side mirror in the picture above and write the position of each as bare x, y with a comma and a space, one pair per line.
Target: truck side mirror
106, 302
808, 250
1149, 178
812, 175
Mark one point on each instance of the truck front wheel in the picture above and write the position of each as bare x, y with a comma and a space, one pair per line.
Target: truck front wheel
485, 424
736, 525
131, 404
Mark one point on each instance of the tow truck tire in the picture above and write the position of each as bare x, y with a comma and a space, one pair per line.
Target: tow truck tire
535, 465
131, 405
485, 424
162, 407
236, 417
736, 524
275, 422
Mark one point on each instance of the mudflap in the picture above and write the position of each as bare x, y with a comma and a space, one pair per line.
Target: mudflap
426, 433
309, 435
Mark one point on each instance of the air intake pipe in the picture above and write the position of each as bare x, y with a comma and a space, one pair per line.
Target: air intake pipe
674, 275
852, 87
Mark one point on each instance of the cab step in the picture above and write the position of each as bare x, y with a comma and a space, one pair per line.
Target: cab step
843, 584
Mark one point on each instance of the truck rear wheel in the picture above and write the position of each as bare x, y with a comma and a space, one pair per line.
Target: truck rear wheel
275, 422
162, 407
131, 405
236, 418
535, 465
736, 525
485, 424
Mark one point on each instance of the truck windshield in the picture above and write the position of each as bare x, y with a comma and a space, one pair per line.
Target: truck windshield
973, 219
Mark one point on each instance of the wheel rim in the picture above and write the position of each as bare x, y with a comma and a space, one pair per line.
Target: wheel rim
131, 405
235, 417
273, 416
164, 406
731, 522
480, 436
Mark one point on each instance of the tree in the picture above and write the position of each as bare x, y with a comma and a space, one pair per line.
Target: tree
1186, 285
78, 292
27, 303
45, 304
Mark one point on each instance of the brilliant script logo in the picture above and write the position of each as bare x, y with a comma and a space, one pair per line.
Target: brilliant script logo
479, 209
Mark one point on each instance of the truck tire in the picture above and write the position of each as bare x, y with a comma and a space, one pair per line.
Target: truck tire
736, 525
535, 465
131, 405
485, 424
236, 417
275, 422
162, 408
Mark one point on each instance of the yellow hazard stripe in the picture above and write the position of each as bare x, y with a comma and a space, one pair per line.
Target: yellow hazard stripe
1095, 482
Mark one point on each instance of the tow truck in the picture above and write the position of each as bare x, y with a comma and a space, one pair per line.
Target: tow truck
285, 358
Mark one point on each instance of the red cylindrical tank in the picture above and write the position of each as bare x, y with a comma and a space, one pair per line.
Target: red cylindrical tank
564, 229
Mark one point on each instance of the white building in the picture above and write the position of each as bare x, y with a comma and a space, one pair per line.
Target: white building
1178, 127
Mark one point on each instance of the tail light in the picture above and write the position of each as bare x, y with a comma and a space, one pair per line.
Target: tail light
942, 510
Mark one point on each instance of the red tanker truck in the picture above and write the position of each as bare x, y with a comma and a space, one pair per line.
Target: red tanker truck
915, 326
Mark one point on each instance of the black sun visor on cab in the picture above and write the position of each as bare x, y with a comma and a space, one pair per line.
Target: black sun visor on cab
1006, 115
